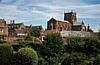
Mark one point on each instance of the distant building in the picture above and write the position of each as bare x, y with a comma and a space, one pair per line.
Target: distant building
69, 23
18, 29
3, 27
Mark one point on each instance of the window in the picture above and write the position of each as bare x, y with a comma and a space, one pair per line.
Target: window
1, 30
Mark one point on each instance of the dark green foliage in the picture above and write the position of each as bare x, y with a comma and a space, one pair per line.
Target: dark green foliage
2, 39
52, 50
39, 49
18, 59
36, 31
75, 59
29, 54
53, 38
42, 61
6, 52
91, 46
28, 38
97, 60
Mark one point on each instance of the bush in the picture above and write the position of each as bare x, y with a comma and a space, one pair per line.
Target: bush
25, 56
6, 52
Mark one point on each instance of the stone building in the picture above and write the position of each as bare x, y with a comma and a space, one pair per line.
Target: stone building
69, 23
3, 27
18, 29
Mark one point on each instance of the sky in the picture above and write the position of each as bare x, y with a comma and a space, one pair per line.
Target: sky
38, 12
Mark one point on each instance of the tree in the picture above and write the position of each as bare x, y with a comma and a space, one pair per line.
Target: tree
6, 52
91, 46
52, 50
25, 56
74, 44
75, 58
97, 60
28, 38
35, 31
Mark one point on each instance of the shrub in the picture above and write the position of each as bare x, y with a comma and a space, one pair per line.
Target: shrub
6, 52
25, 56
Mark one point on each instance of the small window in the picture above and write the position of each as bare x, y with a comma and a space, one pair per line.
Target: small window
1, 30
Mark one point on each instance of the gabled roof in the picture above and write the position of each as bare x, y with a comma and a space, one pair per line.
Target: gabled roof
52, 19
63, 21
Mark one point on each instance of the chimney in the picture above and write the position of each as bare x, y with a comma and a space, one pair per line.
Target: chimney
10, 21
88, 27
13, 21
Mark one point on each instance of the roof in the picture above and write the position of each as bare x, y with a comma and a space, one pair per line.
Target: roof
63, 21
58, 20
77, 23
15, 24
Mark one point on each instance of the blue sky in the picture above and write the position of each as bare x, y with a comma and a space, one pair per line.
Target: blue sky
38, 12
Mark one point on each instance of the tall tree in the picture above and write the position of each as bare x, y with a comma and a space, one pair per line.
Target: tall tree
53, 49
35, 31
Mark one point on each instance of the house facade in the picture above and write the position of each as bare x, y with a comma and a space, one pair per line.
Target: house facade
3, 27
18, 29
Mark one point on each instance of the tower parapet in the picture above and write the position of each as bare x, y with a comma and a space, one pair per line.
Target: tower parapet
71, 17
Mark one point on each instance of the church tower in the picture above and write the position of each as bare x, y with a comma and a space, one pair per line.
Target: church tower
71, 17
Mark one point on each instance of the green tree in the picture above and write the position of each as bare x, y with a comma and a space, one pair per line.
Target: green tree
28, 38
35, 31
25, 56
6, 52
53, 49
75, 58
97, 60
91, 46
74, 44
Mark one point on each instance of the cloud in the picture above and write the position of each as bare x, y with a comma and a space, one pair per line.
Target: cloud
37, 10
90, 10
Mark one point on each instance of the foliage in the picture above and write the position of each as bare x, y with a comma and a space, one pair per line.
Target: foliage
91, 46
29, 38
2, 39
41, 60
52, 50
75, 59
6, 52
36, 31
29, 53
53, 38
97, 60
18, 59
